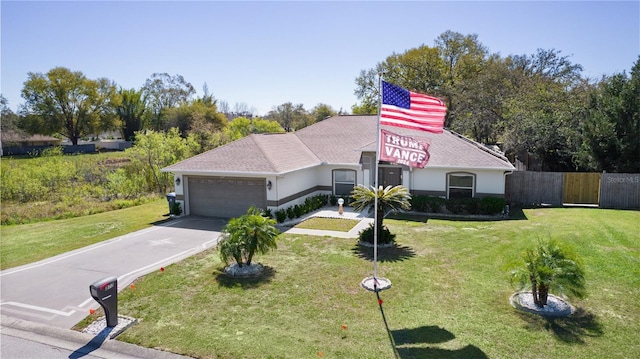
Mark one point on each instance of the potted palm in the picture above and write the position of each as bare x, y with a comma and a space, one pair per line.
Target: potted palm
245, 236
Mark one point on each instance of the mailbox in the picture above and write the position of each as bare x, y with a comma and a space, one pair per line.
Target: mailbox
105, 292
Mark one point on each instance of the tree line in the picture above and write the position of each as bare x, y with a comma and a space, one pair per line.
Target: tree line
538, 108
67, 104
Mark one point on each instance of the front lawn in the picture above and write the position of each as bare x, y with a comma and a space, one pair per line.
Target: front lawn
28, 243
449, 297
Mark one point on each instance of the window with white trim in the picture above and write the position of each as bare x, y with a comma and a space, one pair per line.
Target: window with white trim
343, 182
461, 185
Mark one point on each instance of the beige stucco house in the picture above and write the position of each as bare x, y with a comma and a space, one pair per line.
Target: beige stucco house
332, 156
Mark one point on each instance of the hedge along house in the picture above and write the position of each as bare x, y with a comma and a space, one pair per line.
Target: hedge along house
277, 171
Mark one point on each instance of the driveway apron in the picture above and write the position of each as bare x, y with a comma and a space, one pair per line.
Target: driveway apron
55, 291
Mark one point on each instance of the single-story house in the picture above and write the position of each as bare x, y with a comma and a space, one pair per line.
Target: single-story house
277, 171
15, 143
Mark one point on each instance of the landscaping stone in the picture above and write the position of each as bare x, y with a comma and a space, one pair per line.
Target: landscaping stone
556, 307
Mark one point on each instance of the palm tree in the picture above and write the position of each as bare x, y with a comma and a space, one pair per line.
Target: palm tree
389, 199
550, 267
247, 235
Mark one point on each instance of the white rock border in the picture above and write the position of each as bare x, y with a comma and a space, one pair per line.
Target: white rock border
245, 271
556, 306
369, 245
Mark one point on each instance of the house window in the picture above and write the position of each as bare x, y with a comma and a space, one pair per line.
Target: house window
460, 185
343, 182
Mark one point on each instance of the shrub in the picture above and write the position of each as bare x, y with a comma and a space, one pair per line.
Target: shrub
385, 237
333, 200
435, 204
176, 209
291, 214
492, 205
281, 215
419, 203
463, 205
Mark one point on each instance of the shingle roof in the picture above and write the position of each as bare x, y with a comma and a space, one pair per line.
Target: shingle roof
336, 140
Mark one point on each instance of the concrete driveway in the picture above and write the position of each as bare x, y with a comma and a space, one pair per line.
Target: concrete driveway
55, 291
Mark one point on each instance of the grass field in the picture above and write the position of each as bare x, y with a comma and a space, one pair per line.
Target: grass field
449, 297
27, 243
328, 224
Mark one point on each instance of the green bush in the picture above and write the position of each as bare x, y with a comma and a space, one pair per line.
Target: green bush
435, 204
419, 203
492, 205
291, 214
176, 209
333, 200
386, 237
463, 205
281, 215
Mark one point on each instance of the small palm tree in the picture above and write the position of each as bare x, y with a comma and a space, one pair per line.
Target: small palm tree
247, 235
389, 199
550, 267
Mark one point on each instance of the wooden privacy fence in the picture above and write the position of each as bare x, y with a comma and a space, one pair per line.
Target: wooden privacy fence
620, 190
607, 190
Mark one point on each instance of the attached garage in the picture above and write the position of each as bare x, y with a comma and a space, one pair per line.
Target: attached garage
225, 197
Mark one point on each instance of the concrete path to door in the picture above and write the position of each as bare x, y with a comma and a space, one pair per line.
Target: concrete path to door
55, 291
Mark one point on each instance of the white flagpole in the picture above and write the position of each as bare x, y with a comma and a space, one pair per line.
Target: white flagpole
377, 192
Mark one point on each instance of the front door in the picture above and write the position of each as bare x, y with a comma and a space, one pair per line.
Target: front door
389, 176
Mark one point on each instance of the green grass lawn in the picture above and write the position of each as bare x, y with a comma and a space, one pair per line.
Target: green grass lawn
329, 224
449, 297
27, 243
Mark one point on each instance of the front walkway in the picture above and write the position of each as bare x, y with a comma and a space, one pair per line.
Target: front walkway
329, 212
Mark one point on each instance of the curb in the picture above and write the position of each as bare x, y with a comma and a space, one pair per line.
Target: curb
81, 343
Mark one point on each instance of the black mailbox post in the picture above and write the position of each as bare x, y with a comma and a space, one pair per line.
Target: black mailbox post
105, 292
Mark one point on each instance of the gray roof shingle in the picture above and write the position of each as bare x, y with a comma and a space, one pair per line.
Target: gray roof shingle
336, 140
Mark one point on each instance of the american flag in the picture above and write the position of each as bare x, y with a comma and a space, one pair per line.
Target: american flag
403, 108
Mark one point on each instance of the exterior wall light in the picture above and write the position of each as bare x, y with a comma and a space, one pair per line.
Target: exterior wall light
269, 185
178, 181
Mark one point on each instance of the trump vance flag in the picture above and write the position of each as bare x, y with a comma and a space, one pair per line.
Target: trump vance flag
403, 150
403, 108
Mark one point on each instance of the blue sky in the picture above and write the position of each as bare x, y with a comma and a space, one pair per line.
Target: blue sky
268, 53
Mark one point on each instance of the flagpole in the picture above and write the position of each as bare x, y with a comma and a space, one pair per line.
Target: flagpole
376, 184
374, 283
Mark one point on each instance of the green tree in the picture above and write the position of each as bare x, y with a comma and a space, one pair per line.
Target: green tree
365, 109
131, 111
550, 267
66, 102
542, 113
322, 111
195, 115
291, 117
419, 69
9, 121
153, 151
612, 125
247, 235
241, 127
163, 92
263, 125
389, 199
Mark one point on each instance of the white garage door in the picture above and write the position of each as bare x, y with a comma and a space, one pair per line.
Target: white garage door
225, 197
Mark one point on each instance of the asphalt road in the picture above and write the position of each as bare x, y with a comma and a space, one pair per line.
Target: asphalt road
55, 291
